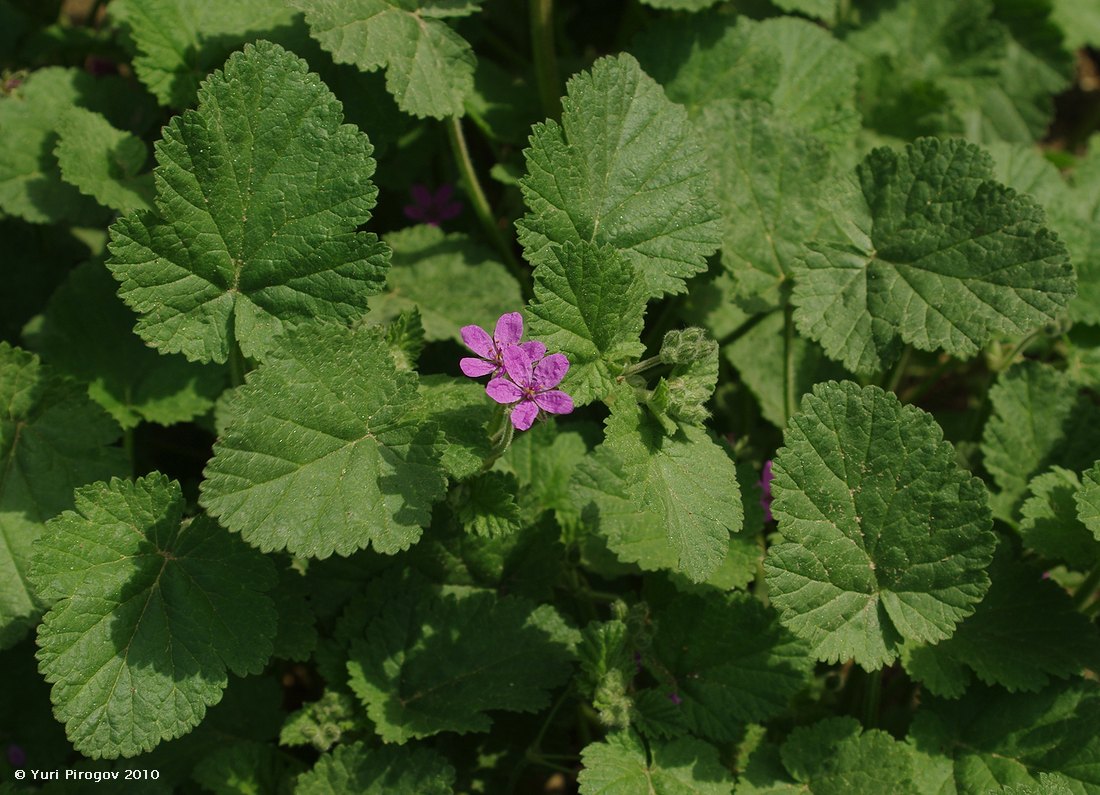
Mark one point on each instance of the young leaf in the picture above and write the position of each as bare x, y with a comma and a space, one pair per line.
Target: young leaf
731, 662
682, 395
623, 765
324, 450
1088, 500
929, 250
87, 332
103, 162
885, 538
486, 505
479, 289
259, 192
179, 42
995, 738
322, 723
378, 771
663, 502
52, 439
1039, 418
590, 305
1025, 631
1049, 522
461, 411
623, 169
429, 67
438, 664
768, 177
149, 613
244, 768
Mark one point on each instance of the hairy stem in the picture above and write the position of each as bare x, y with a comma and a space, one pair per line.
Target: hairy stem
1087, 588
484, 212
872, 695
898, 373
546, 59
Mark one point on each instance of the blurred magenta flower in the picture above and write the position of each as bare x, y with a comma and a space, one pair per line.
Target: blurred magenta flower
432, 208
530, 386
17, 757
508, 331
766, 490
675, 699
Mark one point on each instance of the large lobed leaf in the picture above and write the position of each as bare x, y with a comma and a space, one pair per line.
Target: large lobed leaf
378, 771
52, 439
623, 168
885, 538
149, 613
259, 192
323, 449
928, 250
623, 765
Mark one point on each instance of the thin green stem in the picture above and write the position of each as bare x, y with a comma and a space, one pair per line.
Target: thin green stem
641, 367
1087, 589
917, 391
546, 59
236, 364
898, 373
501, 440
534, 754
743, 329
128, 448
481, 204
789, 385
1017, 349
872, 695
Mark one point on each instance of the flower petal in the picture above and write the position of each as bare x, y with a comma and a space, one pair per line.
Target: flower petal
523, 415
445, 191
475, 368
534, 349
550, 370
414, 212
517, 364
554, 402
503, 391
421, 194
450, 210
478, 340
509, 329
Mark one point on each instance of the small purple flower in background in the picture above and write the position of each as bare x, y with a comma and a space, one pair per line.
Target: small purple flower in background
531, 387
766, 490
1046, 575
17, 757
675, 699
432, 208
509, 330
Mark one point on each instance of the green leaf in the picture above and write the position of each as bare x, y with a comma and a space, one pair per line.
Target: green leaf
1000, 739
405, 338
479, 289
885, 538
759, 357
259, 192
544, 460
1079, 21
87, 333
103, 162
731, 662
681, 5
149, 613
663, 502
835, 757
438, 664
248, 768
1024, 632
31, 186
378, 771
928, 250
768, 179
590, 305
52, 439
623, 765
819, 9
429, 67
1088, 500
802, 71
622, 169
461, 410
324, 451
486, 505
1039, 419
1049, 520
296, 637
322, 723
179, 42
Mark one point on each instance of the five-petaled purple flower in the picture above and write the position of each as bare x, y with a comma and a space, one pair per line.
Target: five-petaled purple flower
766, 490
432, 208
530, 386
509, 331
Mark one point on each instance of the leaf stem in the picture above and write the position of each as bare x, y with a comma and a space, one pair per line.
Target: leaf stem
789, 387
481, 204
502, 440
1087, 588
917, 391
743, 329
872, 695
533, 753
1017, 349
236, 364
640, 367
546, 59
898, 373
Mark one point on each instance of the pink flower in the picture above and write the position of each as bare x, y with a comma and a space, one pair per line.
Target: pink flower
432, 208
531, 387
766, 490
509, 330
